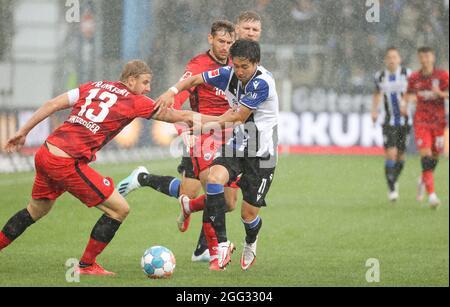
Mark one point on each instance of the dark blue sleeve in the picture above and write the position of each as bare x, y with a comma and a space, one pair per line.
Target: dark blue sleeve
218, 78
257, 93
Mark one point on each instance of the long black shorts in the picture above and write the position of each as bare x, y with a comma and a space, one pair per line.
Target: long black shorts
397, 137
255, 181
186, 168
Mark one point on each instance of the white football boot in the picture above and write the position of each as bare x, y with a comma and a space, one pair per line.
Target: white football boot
204, 257
394, 195
131, 183
433, 201
184, 218
225, 251
248, 257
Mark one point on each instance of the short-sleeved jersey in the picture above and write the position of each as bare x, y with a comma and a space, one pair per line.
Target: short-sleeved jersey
101, 111
205, 99
393, 86
260, 95
430, 110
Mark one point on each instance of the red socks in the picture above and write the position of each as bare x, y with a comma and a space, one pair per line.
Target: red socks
93, 249
4, 241
211, 238
428, 179
197, 204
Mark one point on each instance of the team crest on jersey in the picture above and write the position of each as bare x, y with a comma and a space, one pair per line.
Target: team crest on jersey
207, 156
106, 182
214, 73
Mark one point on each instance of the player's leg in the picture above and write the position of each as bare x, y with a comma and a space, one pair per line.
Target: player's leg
391, 172
17, 224
141, 177
255, 185
214, 213
402, 145
437, 149
44, 193
391, 152
115, 210
252, 224
400, 159
97, 191
428, 142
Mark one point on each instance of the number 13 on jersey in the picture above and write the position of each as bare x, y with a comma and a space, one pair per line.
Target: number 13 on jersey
106, 101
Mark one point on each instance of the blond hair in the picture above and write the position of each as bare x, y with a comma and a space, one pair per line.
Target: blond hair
135, 68
248, 16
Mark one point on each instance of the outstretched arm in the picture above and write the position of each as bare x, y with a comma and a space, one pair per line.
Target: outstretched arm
52, 106
229, 119
166, 100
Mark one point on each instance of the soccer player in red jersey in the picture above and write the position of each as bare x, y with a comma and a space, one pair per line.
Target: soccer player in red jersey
429, 87
195, 164
100, 110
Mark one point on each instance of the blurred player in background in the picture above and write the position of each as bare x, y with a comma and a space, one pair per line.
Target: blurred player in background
194, 167
251, 152
249, 26
429, 87
391, 85
100, 110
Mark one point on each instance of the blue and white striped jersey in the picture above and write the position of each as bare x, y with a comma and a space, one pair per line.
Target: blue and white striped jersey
393, 86
260, 95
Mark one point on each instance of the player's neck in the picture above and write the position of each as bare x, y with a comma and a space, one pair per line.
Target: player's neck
427, 71
211, 54
392, 71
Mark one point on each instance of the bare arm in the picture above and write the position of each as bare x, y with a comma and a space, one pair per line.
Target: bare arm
441, 94
175, 116
166, 100
230, 118
406, 100
50, 107
377, 96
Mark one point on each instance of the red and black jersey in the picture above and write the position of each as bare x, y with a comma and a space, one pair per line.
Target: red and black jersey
430, 110
205, 99
103, 109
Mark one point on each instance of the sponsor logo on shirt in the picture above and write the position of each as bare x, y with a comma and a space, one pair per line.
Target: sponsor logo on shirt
214, 73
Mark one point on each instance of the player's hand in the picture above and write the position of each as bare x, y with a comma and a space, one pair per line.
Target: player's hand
15, 143
436, 91
165, 101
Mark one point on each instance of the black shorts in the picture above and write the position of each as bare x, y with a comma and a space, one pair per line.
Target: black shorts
255, 181
186, 168
397, 137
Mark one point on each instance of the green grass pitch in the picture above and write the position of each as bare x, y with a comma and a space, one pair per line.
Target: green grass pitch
326, 217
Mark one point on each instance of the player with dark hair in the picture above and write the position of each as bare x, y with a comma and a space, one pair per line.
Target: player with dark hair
251, 152
194, 167
100, 110
391, 84
429, 87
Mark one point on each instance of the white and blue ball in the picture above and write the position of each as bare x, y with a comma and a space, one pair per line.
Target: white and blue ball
158, 262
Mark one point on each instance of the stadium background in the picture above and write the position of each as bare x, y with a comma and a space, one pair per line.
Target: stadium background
323, 54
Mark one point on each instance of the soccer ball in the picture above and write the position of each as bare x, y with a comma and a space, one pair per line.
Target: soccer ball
158, 262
